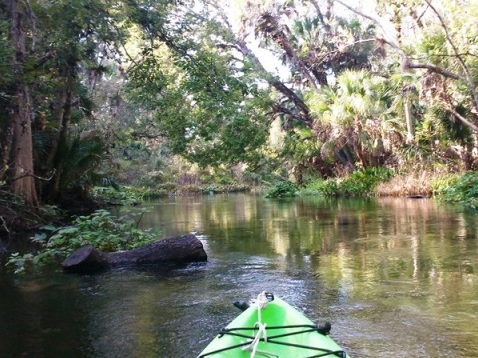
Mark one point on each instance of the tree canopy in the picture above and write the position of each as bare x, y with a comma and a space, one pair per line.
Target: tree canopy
88, 86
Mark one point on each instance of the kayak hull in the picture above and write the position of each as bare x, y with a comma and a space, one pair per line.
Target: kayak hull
288, 333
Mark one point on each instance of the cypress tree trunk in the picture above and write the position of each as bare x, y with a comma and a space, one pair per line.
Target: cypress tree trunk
22, 175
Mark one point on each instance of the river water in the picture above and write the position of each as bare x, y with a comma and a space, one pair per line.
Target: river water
395, 277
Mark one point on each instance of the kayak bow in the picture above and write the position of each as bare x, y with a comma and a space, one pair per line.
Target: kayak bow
270, 327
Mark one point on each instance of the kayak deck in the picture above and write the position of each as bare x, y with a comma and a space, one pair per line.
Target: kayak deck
275, 330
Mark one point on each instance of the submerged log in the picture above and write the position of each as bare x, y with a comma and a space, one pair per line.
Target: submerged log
416, 196
182, 249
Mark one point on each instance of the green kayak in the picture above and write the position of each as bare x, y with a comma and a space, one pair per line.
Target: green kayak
270, 327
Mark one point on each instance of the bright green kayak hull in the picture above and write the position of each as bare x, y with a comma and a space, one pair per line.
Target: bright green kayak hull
277, 313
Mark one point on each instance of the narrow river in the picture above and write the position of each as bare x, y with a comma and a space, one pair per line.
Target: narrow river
395, 277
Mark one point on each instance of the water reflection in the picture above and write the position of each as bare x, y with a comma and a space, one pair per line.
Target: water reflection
391, 252
395, 277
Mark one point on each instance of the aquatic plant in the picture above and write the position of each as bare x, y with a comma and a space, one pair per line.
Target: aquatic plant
282, 189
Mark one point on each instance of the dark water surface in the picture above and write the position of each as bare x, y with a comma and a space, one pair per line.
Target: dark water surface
396, 277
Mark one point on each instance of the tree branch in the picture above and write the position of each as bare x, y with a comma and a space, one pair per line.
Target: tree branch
465, 121
388, 39
319, 14
469, 78
4, 224
407, 63
34, 176
274, 82
242, 47
293, 115
44, 58
324, 57
435, 69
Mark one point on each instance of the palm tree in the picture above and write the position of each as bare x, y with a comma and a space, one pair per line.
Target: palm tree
408, 87
77, 158
356, 111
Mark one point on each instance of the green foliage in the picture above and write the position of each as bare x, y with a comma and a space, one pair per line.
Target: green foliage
207, 103
360, 183
363, 182
125, 195
6, 53
113, 196
299, 145
224, 188
461, 190
356, 115
191, 93
282, 189
101, 229
78, 157
327, 188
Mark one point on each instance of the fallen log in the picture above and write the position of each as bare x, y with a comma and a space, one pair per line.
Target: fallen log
181, 249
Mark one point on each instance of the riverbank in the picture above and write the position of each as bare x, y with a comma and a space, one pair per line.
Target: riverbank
411, 184
16, 218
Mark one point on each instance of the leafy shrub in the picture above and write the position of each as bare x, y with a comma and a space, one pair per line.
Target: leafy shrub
125, 195
114, 196
360, 183
363, 182
167, 187
100, 229
329, 187
282, 189
442, 185
152, 193
223, 188
462, 190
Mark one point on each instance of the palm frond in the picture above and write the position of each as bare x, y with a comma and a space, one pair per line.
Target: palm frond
78, 157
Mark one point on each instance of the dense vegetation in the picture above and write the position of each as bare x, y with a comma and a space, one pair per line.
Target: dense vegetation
170, 94
101, 229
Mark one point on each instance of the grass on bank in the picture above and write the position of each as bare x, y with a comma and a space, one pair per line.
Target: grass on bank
415, 183
360, 183
381, 182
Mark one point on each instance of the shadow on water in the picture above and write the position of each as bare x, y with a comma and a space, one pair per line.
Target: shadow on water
397, 278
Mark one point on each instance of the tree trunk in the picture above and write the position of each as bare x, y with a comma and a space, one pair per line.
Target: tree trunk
473, 154
22, 174
182, 249
270, 27
6, 137
303, 114
64, 119
409, 120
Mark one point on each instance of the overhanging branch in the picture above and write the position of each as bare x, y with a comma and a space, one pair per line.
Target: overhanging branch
468, 77
293, 115
461, 118
435, 69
